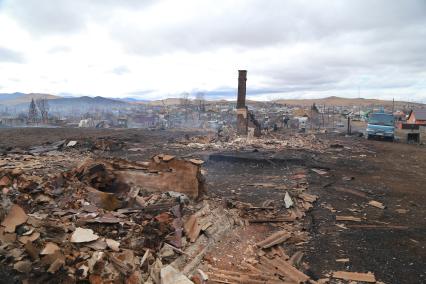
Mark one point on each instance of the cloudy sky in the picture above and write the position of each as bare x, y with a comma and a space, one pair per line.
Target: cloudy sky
154, 49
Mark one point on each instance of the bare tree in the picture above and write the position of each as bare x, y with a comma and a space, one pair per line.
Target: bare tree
200, 100
32, 112
185, 103
43, 107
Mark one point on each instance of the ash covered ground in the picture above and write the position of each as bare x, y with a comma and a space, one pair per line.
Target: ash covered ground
140, 206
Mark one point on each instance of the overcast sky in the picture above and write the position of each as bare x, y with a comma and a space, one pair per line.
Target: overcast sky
154, 49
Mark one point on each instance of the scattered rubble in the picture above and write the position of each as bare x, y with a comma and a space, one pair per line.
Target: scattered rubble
81, 235
102, 220
170, 275
77, 217
276, 142
14, 218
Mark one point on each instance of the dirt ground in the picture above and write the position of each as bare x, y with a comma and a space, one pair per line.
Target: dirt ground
389, 242
393, 247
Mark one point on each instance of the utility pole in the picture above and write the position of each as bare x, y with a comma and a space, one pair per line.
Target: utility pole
393, 105
349, 125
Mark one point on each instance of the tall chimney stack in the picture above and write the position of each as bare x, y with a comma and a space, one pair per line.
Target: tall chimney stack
242, 78
242, 112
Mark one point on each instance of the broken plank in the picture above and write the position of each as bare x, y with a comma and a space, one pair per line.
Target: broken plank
308, 197
376, 204
384, 227
348, 218
296, 258
260, 275
237, 279
270, 220
287, 269
355, 276
192, 228
274, 239
352, 191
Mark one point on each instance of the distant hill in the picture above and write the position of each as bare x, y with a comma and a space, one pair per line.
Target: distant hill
338, 101
10, 96
168, 102
177, 101
85, 100
19, 102
84, 104
329, 101
132, 100
20, 98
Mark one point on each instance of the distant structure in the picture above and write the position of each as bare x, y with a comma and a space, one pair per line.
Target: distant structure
247, 125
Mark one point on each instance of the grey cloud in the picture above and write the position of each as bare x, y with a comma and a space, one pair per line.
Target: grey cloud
8, 55
43, 17
377, 44
263, 23
47, 16
383, 41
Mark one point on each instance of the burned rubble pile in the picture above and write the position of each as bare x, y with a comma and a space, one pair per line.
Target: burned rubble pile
268, 260
103, 221
269, 141
83, 145
73, 216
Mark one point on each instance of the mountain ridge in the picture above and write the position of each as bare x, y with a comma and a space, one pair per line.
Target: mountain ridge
18, 98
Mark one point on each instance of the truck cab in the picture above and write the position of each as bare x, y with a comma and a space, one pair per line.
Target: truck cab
381, 125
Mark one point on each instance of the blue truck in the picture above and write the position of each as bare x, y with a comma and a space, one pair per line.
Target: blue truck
381, 125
